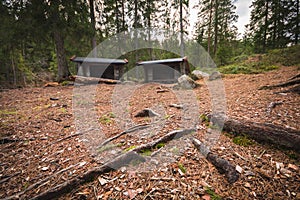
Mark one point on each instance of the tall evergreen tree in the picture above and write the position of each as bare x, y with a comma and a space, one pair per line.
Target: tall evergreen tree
274, 23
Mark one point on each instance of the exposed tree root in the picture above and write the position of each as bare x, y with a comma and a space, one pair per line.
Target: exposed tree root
286, 84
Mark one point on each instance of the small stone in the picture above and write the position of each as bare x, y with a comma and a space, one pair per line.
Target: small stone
239, 169
102, 181
247, 185
180, 172
293, 167
45, 168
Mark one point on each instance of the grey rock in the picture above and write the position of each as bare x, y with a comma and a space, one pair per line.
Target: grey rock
198, 75
214, 76
186, 82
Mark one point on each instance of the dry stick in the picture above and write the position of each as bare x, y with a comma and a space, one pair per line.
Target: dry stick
223, 166
39, 183
273, 105
118, 162
7, 178
130, 130
68, 137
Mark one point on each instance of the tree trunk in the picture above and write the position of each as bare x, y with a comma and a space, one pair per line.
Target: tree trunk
297, 23
209, 28
265, 133
181, 31
216, 26
62, 65
265, 26
93, 25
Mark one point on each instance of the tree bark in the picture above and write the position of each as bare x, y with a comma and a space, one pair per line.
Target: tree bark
222, 165
282, 137
62, 65
216, 26
93, 25
181, 30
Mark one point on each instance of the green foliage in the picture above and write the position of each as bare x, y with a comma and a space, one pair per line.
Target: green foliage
146, 152
242, 140
212, 194
108, 147
64, 83
107, 118
160, 145
247, 68
129, 148
287, 57
181, 167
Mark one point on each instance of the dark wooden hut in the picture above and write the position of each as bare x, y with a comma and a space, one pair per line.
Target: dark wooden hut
100, 67
167, 70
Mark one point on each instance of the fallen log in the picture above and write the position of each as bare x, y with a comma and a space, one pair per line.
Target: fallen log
222, 165
93, 80
123, 159
282, 137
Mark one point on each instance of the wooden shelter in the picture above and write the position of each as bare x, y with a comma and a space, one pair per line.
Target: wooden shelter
167, 70
100, 67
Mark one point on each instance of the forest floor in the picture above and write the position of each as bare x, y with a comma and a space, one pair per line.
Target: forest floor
40, 155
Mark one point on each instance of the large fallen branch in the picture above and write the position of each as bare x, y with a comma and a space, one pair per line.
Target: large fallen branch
93, 80
265, 133
222, 165
115, 164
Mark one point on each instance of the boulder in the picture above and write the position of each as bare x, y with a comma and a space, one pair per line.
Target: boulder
186, 82
214, 76
198, 75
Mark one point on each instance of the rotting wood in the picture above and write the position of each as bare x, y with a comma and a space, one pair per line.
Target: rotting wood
93, 80
282, 137
222, 165
130, 130
115, 164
